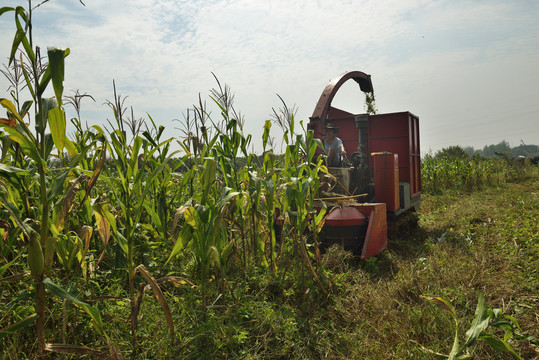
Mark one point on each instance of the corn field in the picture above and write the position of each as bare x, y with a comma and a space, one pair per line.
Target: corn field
116, 200
467, 174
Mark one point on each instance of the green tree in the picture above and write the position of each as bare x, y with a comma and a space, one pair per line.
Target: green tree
492, 150
469, 150
452, 152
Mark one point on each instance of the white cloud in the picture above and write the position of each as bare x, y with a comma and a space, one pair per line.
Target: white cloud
434, 58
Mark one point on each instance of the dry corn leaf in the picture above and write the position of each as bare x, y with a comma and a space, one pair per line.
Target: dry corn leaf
159, 295
83, 350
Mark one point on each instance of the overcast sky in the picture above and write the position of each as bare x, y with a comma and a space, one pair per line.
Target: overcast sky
468, 69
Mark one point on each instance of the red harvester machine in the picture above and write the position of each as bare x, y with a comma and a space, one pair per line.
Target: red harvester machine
385, 165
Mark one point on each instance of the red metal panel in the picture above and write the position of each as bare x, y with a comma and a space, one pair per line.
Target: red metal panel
348, 132
415, 157
411, 151
346, 124
346, 216
376, 236
398, 133
386, 179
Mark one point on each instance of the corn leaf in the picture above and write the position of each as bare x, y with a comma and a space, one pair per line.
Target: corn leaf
96, 173
192, 218
207, 179
43, 116
67, 201
148, 137
122, 242
3, 268
183, 238
57, 125
103, 227
49, 145
155, 217
7, 169
20, 11
58, 186
6, 9
444, 303
177, 216
453, 355
499, 344
479, 323
27, 78
56, 65
455, 350
14, 277
8, 122
60, 292
18, 325
159, 295
16, 42
86, 235
11, 108
80, 350
15, 214
45, 79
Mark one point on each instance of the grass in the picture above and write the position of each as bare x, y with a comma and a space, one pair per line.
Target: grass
485, 241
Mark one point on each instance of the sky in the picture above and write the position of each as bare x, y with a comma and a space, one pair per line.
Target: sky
469, 69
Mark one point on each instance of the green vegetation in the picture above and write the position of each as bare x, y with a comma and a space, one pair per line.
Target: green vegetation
115, 246
451, 168
503, 149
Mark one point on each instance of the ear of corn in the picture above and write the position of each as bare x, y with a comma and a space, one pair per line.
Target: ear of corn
36, 261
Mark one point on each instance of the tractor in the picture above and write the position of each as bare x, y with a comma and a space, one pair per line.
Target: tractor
379, 182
